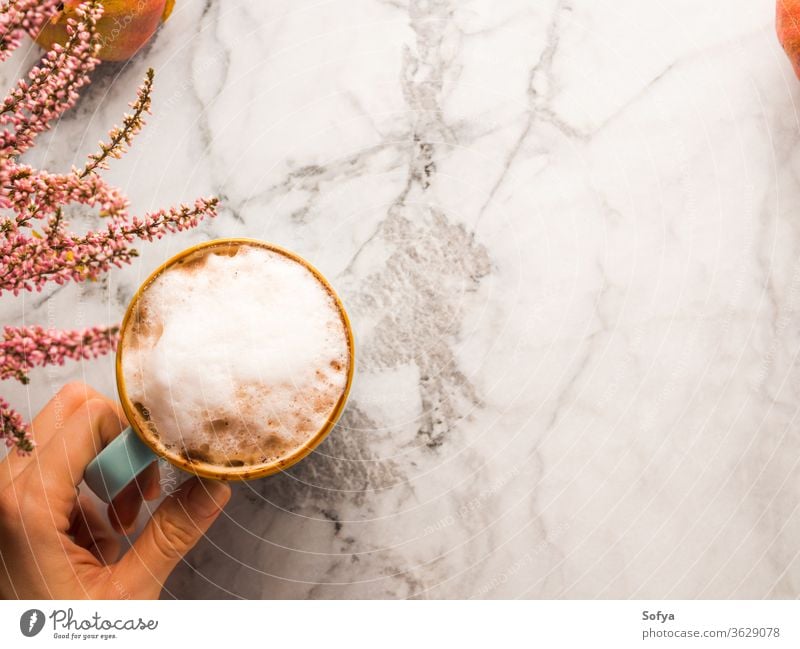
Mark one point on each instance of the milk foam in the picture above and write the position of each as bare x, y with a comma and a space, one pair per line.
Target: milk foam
237, 359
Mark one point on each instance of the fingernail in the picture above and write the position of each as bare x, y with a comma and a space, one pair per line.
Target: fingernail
207, 497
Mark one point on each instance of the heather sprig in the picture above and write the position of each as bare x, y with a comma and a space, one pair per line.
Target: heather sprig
34, 194
121, 137
52, 86
18, 19
23, 348
30, 262
14, 430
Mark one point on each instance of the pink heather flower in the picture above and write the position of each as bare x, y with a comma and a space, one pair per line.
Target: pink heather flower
122, 136
29, 262
52, 86
20, 18
13, 430
36, 245
34, 194
23, 348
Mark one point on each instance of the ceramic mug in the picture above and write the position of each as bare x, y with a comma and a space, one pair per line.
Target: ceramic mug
134, 450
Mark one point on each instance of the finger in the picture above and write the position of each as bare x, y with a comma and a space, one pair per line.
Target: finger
51, 420
124, 509
87, 431
91, 531
178, 523
60, 408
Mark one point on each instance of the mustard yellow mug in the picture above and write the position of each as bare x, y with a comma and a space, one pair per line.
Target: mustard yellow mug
134, 450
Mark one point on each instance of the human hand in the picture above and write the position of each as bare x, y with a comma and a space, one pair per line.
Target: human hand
54, 543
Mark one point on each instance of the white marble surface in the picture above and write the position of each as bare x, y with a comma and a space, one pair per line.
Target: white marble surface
568, 236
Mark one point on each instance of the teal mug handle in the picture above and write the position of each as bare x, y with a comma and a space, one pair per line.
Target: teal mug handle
118, 464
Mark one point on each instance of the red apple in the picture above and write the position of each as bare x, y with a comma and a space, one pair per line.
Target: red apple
787, 24
126, 25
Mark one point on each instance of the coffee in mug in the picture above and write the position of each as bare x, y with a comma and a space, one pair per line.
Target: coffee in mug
235, 360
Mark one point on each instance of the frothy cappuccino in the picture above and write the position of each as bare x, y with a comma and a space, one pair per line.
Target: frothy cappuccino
236, 355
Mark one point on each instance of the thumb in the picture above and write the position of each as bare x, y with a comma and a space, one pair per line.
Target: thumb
179, 522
